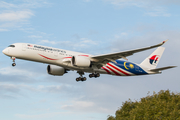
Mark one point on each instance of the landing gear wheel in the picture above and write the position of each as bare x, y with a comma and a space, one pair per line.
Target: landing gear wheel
83, 79
14, 64
94, 75
90, 75
77, 79
97, 75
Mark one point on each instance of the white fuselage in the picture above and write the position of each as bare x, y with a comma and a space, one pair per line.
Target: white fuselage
63, 58
47, 55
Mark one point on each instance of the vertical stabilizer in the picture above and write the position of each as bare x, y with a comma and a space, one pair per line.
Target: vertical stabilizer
152, 61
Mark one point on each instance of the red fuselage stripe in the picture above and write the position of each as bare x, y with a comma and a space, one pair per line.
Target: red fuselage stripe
106, 70
67, 57
118, 69
47, 57
113, 71
84, 55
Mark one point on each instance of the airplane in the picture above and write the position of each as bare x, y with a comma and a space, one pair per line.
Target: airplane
61, 61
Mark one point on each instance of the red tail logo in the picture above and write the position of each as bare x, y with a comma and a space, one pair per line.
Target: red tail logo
154, 59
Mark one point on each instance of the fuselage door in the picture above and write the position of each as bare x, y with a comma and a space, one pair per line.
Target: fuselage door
24, 47
55, 53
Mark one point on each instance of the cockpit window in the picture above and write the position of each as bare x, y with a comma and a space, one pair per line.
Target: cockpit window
11, 46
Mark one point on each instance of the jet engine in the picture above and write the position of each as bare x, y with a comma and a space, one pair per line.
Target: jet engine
81, 61
56, 70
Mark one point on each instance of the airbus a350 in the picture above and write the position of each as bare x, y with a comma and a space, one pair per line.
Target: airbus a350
61, 61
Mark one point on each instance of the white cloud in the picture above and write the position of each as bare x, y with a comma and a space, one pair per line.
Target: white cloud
86, 40
158, 12
2, 30
9, 87
79, 105
80, 43
40, 116
48, 42
121, 35
86, 0
155, 14
124, 3
53, 88
142, 3
16, 16
24, 4
153, 8
35, 4
124, 34
17, 88
35, 36
14, 19
15, 71
8, 25
6, 5
84, 106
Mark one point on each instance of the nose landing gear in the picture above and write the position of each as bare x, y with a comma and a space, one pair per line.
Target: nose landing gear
13, 64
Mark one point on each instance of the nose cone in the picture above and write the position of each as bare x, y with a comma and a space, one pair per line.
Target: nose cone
5, 51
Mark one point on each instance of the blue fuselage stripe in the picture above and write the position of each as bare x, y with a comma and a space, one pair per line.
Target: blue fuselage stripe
130, 67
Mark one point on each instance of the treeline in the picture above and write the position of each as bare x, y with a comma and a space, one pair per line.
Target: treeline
163, 105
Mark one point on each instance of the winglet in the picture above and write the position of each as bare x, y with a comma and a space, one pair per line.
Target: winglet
164, 41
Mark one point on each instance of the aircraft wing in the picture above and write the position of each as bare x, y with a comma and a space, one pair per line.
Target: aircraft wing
101, 60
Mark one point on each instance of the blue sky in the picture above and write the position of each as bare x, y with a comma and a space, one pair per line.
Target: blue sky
91, 26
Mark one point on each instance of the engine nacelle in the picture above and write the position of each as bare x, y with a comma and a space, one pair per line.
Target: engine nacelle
81, 61
56, 70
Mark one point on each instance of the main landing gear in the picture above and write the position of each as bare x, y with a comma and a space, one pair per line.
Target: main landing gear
94, 75
81, 78
13, 64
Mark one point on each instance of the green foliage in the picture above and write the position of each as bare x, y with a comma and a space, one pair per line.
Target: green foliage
110, 118
161, 106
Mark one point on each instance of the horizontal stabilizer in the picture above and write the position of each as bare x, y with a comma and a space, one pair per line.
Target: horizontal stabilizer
163, 68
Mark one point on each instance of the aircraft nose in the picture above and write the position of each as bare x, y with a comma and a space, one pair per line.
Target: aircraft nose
5, 51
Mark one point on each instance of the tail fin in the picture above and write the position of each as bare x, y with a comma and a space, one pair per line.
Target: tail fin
152, 61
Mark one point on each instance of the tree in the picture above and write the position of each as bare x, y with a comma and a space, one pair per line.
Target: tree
110, 117
161, 106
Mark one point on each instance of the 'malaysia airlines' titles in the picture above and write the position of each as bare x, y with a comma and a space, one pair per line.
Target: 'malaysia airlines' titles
46, 48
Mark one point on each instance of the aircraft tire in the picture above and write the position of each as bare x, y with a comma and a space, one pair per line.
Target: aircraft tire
90, 75
14, 64
77, 79
83, 79
98, 75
